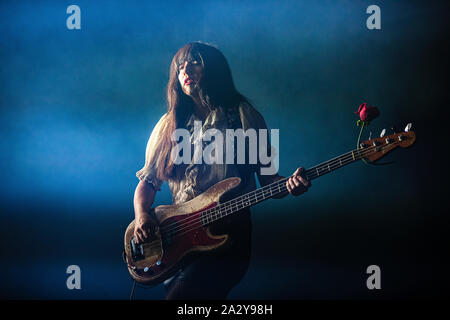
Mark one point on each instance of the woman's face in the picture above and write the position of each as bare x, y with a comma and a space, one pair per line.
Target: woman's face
189, 75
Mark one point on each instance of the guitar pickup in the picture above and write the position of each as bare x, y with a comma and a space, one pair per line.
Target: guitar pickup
137, 251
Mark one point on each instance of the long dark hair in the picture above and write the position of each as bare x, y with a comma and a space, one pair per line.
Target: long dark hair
216, 90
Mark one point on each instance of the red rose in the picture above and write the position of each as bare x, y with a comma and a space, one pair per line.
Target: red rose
367, 113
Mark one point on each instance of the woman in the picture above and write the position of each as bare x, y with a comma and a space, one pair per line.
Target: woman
201, 88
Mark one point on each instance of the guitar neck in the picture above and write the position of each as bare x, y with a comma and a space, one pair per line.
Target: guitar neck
279, 187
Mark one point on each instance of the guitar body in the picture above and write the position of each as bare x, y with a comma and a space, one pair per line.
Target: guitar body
180, 234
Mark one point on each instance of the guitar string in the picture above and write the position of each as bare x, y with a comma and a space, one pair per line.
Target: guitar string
193, 218
196, 216
345, 157
223, 208
278, 184
240, 200
196, 224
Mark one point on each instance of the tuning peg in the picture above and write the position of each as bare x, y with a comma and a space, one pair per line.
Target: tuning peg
370, 135
382, 133
408, 127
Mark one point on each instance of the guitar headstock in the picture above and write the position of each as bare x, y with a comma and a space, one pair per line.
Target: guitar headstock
377, 148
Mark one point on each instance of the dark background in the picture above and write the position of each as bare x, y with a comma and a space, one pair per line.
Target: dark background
77, 108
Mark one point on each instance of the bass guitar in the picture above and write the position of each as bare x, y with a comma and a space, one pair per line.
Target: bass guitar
183, 229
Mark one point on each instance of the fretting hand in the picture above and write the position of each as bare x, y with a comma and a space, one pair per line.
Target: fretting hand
298, 184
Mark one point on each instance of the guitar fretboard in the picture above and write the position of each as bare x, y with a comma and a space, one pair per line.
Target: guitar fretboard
279, 187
